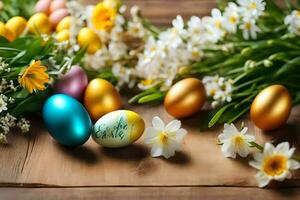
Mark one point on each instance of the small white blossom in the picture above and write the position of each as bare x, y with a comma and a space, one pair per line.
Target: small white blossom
250, 29
3, 104
165, 140
252, 9
274, 163
293, 22
232, 17
24, 125
235, 141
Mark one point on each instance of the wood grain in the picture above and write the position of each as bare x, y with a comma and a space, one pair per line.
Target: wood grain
148, 193
39, 160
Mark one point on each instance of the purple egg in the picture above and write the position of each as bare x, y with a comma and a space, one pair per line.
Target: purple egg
73, 83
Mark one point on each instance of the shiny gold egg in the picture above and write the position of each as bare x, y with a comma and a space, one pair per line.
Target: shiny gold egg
185, 98
271, 107
16, 24
87, 38
100, 98
39, 23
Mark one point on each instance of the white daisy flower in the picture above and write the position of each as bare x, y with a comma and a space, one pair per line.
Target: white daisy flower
250, 29
232, 17
252, 8
165, 140
293, 22
274, 163
235, 141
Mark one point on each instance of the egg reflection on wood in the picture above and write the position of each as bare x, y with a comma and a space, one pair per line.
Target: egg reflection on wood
100, 98
185, 98
271, 107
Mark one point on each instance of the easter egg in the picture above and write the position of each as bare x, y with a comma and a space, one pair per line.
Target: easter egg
57, 4
87, 38
100, 98
271, 108
185, 98
16, 24
65, 23
58, 15
7, 33
66, 120
118, 129
73, 83
39, 23
43, 6
62, 36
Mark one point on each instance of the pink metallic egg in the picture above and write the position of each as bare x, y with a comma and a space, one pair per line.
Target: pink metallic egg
43, 6
58, 15
73, 83
57, 4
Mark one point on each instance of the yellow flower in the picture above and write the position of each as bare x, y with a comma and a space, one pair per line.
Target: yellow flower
103, 17
34, 77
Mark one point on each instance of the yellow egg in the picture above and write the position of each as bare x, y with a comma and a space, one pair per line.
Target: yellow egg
16, 24
7, 33
39, 23
271, 107
65, 23
118, 129
100, 98
87, 38
185, 98
62, 36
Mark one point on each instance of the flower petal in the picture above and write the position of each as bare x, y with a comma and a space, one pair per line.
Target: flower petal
243, 151
180, 134
269, 149
255, 164
228, 150
168, 152
173, 126
156, 150
283, 148
294, 164
262, 179
158, 123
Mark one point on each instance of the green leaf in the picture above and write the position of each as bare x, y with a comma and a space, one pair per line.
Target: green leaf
136, 98
152, 98
21, 94
217, 116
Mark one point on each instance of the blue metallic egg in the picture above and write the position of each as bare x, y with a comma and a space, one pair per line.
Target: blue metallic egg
66, 120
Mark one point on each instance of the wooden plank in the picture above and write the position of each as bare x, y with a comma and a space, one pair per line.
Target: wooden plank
148, 193
38, 160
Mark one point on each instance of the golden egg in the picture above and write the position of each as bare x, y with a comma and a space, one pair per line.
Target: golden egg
39, 23
271, 107
89, 39
7, 33
185, 98
65, 23
100, 98
16, 24
62, 36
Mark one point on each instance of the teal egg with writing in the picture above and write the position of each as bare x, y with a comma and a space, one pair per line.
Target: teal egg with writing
118, 129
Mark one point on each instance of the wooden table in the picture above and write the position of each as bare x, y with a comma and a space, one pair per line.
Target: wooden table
34, 166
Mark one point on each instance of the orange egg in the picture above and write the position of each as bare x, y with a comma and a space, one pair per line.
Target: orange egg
100, 98
7, 33
271, 107
185, 98
57, 4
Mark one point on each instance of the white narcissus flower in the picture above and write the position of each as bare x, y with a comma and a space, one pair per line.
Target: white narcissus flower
274, 163
235, 141
232, 17
250, 29
252, 8
165, 140
293, 22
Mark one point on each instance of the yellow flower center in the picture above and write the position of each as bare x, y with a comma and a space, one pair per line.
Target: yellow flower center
253, 6
103, 17
298, 13
147, 82
218, 24
238, 140
275, 165
233, 19
248, 26
163, 137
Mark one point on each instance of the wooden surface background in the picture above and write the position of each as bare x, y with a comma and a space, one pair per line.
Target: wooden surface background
36, 167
